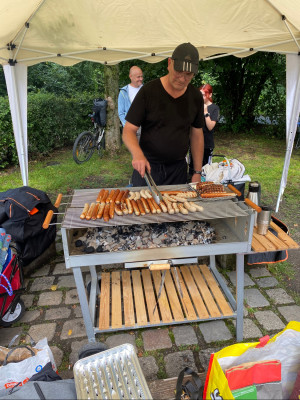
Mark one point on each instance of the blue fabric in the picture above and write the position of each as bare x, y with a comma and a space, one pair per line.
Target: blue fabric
123, 104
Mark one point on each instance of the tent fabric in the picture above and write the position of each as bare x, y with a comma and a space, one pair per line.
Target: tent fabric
67, 32
70, 31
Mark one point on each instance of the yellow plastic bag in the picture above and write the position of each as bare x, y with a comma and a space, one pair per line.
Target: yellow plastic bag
286, 349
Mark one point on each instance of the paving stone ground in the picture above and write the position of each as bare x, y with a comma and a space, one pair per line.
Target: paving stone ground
53, 311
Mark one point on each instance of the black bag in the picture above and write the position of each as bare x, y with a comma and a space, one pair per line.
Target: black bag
189, 390
22, 213
99, 109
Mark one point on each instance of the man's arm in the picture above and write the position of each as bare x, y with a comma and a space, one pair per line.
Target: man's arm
197, 149
121, 108
139, 161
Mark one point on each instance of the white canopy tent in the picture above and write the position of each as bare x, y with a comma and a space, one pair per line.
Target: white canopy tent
105, 31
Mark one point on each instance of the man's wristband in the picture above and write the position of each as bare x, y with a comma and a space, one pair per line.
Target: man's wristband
198, 172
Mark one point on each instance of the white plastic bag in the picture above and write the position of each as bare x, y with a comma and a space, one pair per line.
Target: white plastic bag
19, 373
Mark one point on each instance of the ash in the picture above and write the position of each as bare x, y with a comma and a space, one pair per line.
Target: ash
148, 236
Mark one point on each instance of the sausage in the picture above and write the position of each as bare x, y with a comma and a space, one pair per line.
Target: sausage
182, 209
110, 196
95, 212
135, 207
104, 197
85, 210
163, 207
119, 197
189, 206
111, 209
198, 208
211, 195
129, 206
148, 194
158, 210
137, 196
168, 197
118, 209
176, 209
106, 212
145, 204
151, 206
169, 206
143, 194
170, 192
124, 208
131, 195
141, 207
189, 194
100, 194
100, 211
125, 195
181, 199
90, 212
115, 195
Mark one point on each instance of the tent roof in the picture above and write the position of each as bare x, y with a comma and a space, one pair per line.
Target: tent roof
106, 31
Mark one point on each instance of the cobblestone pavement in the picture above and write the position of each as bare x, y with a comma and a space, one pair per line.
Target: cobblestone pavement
53, 311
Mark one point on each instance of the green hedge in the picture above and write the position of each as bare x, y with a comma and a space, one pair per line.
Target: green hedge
53, 122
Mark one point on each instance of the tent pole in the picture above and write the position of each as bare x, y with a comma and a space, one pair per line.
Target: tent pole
18, 126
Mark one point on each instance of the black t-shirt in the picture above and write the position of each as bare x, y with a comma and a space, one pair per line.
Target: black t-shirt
165, 121
214, 111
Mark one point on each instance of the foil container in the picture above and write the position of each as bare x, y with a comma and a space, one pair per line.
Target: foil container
111, 374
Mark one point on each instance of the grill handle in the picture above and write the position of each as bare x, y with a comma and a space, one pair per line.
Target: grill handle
158, 267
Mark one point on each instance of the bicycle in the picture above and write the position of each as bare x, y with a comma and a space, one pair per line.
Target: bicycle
87, 142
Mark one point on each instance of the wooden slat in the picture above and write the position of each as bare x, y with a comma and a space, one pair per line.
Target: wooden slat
150, 297
185, 300
284, 236
194, 292
218, 295
256, 245
164, 308
173, 298
127, 299
116, 308
104, 301
280, 245
207, 297
264, 241
140, 308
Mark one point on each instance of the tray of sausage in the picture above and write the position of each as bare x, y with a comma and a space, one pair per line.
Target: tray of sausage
212, 191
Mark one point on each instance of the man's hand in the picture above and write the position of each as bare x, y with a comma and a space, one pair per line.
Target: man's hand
140, 164
196, 178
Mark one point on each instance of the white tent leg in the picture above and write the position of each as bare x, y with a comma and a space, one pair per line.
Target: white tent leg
16, 83
292, 115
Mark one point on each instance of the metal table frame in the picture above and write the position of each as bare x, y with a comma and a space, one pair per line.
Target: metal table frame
76, 262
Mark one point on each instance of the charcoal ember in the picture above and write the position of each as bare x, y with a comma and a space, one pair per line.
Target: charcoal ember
99, 249
89, 249
78, 243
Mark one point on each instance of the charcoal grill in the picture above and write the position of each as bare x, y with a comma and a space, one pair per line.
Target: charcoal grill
192, 293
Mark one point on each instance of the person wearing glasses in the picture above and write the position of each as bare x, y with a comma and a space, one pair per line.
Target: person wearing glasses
171, 113
211, 115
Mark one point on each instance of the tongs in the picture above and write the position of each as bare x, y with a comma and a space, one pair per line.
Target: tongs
153, 188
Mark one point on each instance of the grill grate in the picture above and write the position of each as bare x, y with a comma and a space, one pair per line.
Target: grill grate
111, 374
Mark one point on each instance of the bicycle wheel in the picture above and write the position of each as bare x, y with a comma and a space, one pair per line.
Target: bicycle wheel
84, 147
14, 314
101, 142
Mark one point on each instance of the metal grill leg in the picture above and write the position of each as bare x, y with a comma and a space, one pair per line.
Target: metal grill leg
239, 296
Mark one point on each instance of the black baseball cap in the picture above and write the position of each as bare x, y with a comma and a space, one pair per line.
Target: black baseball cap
186, 58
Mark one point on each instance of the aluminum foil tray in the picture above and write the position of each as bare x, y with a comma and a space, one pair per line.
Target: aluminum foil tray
111, 374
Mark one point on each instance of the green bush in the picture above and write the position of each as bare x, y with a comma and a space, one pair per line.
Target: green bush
53, 122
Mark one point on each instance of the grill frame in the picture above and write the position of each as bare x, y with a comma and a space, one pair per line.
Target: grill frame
238, 231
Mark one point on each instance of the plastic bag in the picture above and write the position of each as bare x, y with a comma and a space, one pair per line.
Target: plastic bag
13, 373
285, 347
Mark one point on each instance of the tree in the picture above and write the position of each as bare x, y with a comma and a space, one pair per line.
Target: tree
111, 84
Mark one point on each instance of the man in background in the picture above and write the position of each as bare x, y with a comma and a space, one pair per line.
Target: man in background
128, 93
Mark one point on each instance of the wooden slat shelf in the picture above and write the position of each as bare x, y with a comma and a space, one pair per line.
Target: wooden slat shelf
269, 242
128, 298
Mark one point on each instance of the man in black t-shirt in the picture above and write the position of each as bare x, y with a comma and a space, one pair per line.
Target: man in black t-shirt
170, 112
